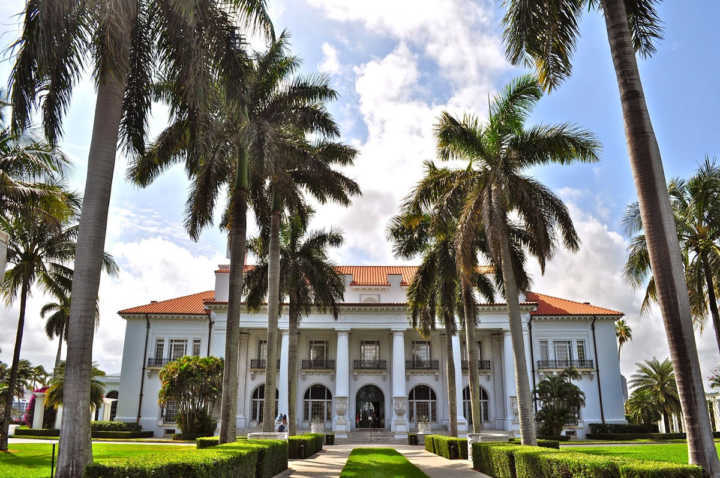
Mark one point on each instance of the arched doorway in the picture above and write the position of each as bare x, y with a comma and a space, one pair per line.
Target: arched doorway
257, 403
369, 408
484, 405
317, 404
422, 404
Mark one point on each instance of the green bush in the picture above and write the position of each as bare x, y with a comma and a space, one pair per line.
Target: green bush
531, 462
206, 442
541, 442
622, 428
123, 434
650, 469
272, 456
329, 438
412, 439
232, 460
636, 436
451, 448
429, 443
494, 458
304, 446
37, 432
107, 426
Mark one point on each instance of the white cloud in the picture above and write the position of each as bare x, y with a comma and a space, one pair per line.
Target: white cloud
330, 63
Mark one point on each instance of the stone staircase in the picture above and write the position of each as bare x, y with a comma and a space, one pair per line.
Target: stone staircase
371, 435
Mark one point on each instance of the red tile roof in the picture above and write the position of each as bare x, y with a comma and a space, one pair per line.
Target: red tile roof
549, 305
192, 304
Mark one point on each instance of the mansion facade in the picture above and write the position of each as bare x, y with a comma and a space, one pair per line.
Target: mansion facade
369, 368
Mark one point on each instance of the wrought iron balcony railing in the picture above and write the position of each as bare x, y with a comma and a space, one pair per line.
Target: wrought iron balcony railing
318, 365
563, 364
482, 364
260, 363
422, 365
370, 364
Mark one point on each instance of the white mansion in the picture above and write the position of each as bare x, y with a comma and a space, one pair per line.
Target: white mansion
369, 368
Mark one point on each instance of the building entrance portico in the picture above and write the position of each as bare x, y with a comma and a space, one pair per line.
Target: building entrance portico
370, 407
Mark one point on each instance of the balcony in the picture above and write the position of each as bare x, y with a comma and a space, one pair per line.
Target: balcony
157, 362
370, 364
563, 364
259, 364
318, 365
483, 365
420, 365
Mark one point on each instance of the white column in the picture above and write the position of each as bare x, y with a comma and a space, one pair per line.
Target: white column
3, 251
457, 357
342, 385
528, 359
39, 410
509, 379
399, 422
283, 376
241, 417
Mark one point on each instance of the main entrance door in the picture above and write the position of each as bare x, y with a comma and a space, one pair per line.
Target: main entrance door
369, 408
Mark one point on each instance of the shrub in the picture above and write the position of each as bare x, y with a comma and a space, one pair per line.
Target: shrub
272, 456
234, 460
636, 436
107, 426
541, 442
622, 428
206, 442
329, 438
429, 443
494, 458
123, 434
304, 446
451, 448
37, 432
658, 470
533, 462
412, 439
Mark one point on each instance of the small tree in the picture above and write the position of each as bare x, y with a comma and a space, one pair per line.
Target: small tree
561, 399
643, 408
194, 384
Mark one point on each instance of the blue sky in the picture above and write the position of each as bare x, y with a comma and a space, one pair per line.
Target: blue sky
397, 65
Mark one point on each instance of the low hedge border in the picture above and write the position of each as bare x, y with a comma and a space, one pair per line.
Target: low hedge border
304, 446
622, 428
430, 444
541, 442
640, 436
96, 433
451, 448
206, 442
108, 426
272, 456
37, 432
329, 438
412, 439
500, 460
123, 434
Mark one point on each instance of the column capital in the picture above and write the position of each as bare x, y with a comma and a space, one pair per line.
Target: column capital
398, 331
342, 331
284, 332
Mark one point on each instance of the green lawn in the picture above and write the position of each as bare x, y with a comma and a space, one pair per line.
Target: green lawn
379, 463
675, 453
32, 460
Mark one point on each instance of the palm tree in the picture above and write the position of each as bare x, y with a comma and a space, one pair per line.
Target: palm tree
544, 36
252, 126
715, 379
658, 380
123, 40
623, 332
55, 393
642, 407
561, 401
427, 227
308, 279
695, 204
38, 375
497, 152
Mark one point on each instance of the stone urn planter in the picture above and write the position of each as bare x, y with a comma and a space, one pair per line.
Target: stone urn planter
424, 428
317, 427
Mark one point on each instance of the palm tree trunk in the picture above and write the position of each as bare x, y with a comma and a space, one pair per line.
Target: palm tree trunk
472, 355
14, 368
522, 384
662, 240
61, 337
76, 450
293, 320
238, 232
272, 324
712, 299
452, 386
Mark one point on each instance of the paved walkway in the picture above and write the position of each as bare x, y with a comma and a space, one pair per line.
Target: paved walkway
329, 462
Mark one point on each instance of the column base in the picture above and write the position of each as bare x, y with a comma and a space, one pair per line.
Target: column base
341, 426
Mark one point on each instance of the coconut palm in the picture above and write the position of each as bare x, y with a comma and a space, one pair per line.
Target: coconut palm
252, 126
543, 35
307, 278
623, 332
658, 380
560, 401
695, 204
54, 396
642, 407
38, 376
125, 42
501, 195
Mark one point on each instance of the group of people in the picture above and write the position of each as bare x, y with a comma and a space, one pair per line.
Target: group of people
281, 423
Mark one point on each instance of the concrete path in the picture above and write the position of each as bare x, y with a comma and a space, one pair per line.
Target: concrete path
329, 462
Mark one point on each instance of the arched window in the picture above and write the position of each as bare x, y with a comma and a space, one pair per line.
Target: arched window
317, 404
423, 404
467, 409
258, 399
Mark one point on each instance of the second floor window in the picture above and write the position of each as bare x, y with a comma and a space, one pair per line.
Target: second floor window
196, 347
262, 349
563, 351
370, 350
421, 351
178, 348
159, 348
544, 350
581, 350
318, 350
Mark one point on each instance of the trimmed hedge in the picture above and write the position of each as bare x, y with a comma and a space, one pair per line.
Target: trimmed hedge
37, 432
451, 448
622, 428
636, 436
541, 442
123, 434
304, 446
54, 432
206, 442
430, 444
329, 438
541, 463
649, 469
231, 460
108, 426
412, 439
272, 456
495, 458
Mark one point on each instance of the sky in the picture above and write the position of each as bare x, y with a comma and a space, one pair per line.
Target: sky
397, 65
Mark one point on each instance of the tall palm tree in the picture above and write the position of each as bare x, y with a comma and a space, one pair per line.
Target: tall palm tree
623, 332
544, 36
695, 204
658, 379
308, 279
126, 42
497, 153
427, 227
252, 125
642, 407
